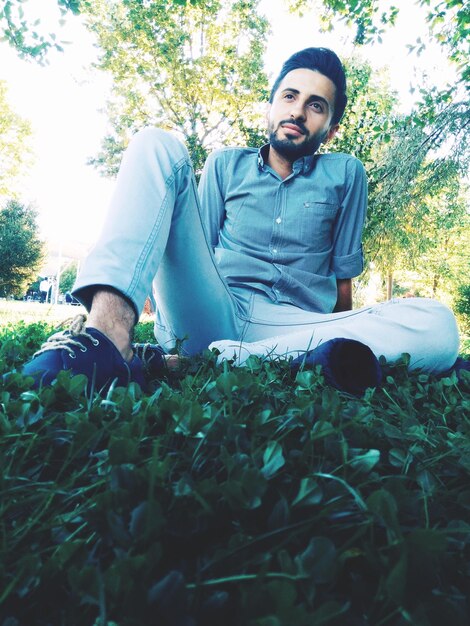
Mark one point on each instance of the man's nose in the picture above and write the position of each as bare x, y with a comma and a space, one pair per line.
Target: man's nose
297, 111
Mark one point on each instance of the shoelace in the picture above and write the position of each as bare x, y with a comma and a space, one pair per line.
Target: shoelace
146, 352
152, 360
68, 339
149, 356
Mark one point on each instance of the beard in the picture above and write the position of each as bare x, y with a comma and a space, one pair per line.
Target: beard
292, 149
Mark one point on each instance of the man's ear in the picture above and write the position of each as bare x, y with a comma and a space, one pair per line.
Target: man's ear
331, 133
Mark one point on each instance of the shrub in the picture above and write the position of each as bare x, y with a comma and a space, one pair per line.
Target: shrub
19, 341
462, 307
143, 333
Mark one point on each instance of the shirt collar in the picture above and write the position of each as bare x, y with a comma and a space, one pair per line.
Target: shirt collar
263, 156
304, 165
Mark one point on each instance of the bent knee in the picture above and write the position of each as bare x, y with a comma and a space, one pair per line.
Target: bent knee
441, 335
157, 139
438, 317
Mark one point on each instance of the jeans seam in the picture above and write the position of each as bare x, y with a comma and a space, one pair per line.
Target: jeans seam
212, 254
261, 322
149, 244
247, 319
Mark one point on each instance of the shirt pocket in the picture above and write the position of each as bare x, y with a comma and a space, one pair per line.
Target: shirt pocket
316, 225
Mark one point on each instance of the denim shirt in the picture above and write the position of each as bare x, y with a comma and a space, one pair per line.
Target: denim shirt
289, 238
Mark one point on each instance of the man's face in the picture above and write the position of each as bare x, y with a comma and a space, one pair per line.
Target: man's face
299, 118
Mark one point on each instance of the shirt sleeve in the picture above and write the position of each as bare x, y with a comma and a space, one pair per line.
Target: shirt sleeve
347, 259
212, 198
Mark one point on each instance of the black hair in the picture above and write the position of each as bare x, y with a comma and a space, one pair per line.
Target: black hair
327, 63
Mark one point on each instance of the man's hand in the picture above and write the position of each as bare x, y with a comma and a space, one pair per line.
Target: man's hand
344, 301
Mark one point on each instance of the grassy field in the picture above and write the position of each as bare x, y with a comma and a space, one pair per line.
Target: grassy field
13, 311
249, 496
17, 310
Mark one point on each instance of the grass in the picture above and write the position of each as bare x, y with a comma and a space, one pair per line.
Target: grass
13, 311
243, 497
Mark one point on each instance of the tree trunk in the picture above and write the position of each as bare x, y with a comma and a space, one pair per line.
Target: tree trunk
389, 285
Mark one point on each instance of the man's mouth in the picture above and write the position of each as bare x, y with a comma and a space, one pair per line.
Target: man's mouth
292, 129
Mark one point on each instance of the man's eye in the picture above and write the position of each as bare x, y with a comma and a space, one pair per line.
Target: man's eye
316, 106
288, 96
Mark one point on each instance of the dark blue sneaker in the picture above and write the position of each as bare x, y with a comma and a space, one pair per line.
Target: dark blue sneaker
347, 364
86, 351
153, 360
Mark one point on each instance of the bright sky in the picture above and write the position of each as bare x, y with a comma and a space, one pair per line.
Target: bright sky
63, 102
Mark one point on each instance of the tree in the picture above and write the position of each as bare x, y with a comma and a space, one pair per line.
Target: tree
373, 132
416, 215
197, 71
15, 152
391, 186
21, 250
24, 32
448, 21
67, 277
440, 219
368, 123
462, 306
418, 218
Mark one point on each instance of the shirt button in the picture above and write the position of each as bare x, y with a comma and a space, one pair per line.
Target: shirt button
275, 250
278, 221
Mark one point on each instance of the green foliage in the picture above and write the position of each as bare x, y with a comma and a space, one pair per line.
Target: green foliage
440, 220
462, 306
448, 21
14, 146
449, 24
21, 250
235, 496
417, 216
144, 333
197, 71
368, 123
369, 18
21, 27
19, 341
24, 32
67, 277
34, 286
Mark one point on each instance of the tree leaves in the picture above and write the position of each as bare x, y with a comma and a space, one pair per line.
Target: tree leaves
15, 149
197, 71
21, 250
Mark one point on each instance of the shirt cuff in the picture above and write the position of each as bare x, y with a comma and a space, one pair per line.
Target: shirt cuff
348, 266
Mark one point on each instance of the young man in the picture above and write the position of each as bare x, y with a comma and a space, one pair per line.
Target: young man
260, 261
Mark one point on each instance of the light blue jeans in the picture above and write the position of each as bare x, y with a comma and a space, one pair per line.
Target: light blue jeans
154, 234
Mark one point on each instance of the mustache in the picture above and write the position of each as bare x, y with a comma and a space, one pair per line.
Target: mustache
299, 125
